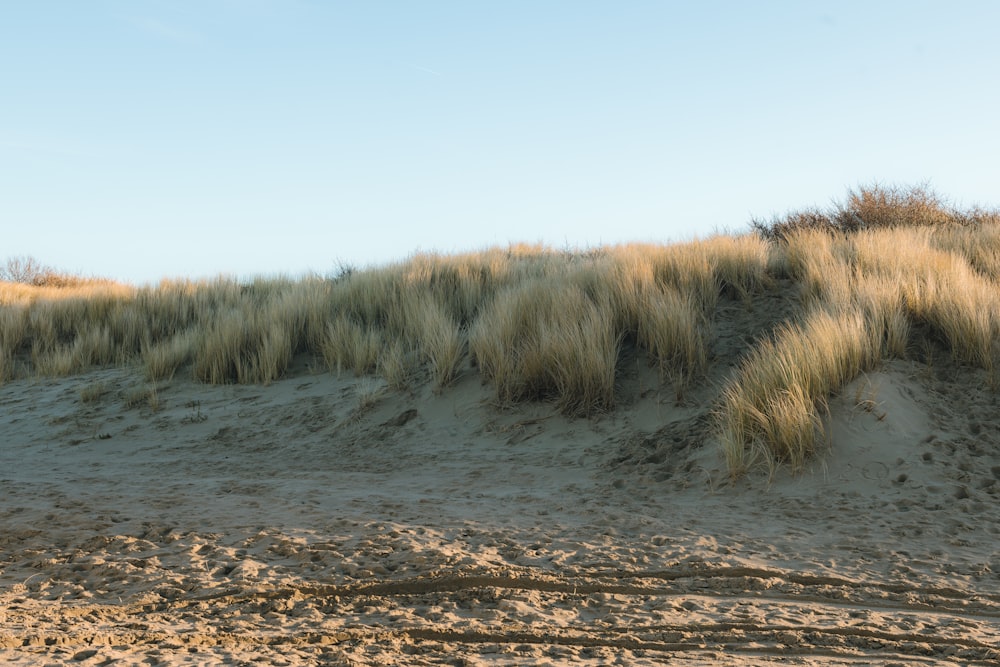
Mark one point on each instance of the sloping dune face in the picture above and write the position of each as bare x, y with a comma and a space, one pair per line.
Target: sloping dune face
289, 523
745, 450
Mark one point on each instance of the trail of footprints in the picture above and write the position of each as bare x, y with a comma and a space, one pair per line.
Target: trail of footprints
694, 613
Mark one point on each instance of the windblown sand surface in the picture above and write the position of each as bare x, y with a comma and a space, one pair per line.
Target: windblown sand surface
285, 525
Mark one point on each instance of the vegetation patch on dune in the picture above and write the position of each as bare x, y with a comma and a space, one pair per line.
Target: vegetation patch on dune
887, 273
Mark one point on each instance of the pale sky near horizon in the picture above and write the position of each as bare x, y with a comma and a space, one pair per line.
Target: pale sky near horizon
142, 139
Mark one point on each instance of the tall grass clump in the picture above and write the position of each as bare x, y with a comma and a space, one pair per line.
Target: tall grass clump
938, 289
665, 296
441, 342
979, 244
56, 361
821, 264
686, 268
884, 309
671, 328
13, 328
351, 346
161, 360
225, 345
369, 298
551, 342
458, 285
739, 264
68, 328
394, 365
771, 408
242, 347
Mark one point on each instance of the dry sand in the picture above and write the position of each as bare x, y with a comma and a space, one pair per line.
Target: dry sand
285, 525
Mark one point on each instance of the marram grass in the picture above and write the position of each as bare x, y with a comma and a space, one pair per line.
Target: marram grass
871, 276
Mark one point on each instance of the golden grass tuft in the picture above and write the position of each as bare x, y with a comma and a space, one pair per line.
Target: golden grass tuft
351, 346
242, 348
13, 327
670, 328
548, 341
440, 340
773, 402
394, 365
162, 359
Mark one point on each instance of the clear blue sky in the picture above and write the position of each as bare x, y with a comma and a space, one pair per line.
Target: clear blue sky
141, 138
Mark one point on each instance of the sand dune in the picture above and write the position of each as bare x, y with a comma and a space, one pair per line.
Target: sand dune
288, 524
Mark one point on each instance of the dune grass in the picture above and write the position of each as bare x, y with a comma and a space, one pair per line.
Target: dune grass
548, 339
772, 407
882, 275
887, 263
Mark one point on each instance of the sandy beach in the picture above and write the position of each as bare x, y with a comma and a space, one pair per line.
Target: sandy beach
326, 520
